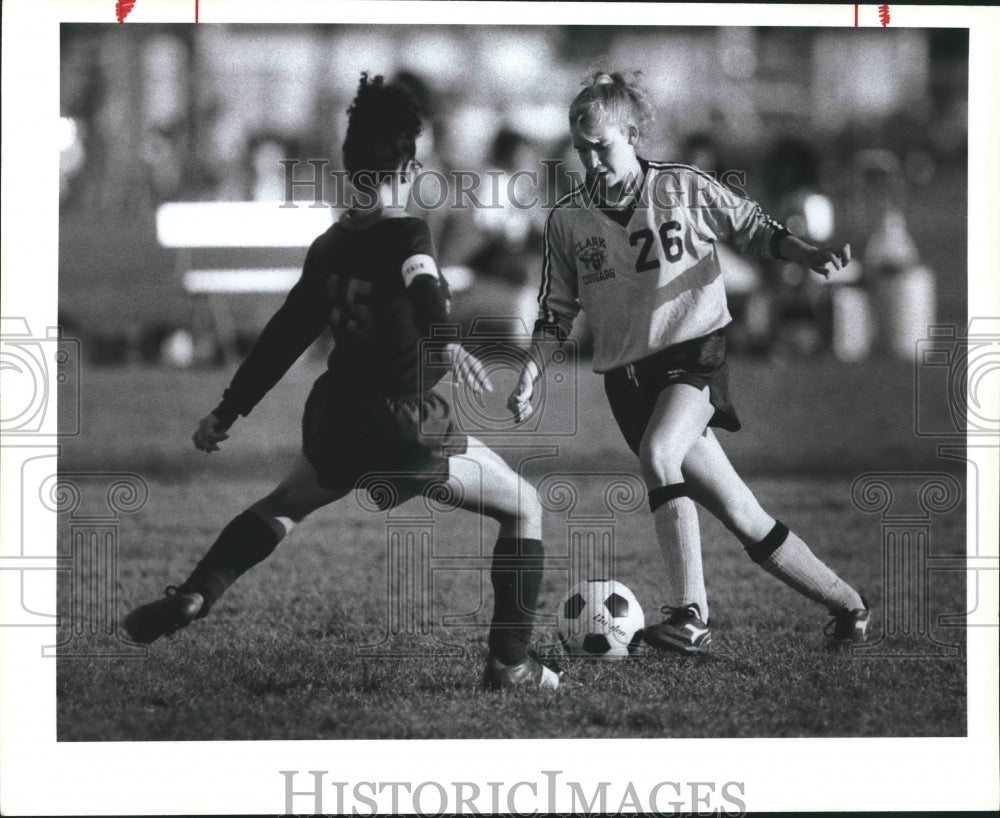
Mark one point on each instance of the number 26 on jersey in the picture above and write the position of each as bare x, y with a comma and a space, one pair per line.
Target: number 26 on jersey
673, 249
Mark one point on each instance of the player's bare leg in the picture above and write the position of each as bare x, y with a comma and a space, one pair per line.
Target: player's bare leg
481, 481
715, 485
247, 540
681, 414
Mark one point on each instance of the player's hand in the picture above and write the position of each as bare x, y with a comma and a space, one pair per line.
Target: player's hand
467, 369
519, 401
209, 434
827, 261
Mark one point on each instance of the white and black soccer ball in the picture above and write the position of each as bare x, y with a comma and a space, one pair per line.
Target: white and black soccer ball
600, 618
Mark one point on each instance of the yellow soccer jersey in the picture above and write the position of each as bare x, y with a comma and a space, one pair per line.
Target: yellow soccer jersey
648, 275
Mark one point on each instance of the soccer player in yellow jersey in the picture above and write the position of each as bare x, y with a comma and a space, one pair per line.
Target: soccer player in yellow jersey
634, 247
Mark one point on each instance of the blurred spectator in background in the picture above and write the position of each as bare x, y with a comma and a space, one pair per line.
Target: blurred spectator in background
221, 162
741, 274
163, 160
700, 150
798, 301
510, 224
492, 236
85, 93
265, 151
72, 158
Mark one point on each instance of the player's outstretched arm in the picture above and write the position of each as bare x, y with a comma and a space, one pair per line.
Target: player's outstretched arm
209, 434
519, 402
468, 370
558, 306
818, 259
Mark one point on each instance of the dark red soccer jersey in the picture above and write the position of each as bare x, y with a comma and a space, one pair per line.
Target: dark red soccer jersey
352, 281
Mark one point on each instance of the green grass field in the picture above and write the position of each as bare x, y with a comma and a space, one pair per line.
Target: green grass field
293, 650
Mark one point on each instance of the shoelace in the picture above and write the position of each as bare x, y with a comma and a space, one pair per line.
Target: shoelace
676, 614
848, 617
548, 661
170, 592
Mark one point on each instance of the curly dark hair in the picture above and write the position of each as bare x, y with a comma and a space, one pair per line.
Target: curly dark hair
382, 128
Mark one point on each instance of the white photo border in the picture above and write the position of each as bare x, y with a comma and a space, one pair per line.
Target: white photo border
41, 776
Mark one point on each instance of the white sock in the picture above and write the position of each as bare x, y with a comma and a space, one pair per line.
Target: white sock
676, 522
784, 555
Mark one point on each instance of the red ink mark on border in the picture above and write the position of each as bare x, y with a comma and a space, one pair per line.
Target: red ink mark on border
122, 8
883, 15
855, 15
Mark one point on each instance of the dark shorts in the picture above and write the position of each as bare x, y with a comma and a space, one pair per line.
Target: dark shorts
701, 362
395, 446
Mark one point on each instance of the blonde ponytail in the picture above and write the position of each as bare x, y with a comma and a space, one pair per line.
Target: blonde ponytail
612, 96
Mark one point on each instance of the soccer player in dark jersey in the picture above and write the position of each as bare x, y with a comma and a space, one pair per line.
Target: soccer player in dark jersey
635, 248
373, 279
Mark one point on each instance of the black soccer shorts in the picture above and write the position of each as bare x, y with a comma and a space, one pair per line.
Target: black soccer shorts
632, 391
403, 441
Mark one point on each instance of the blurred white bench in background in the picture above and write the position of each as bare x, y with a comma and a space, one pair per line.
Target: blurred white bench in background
229, 249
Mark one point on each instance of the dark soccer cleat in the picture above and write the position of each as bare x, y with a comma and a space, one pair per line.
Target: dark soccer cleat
149, 622
528, 673
683, 631
848, 627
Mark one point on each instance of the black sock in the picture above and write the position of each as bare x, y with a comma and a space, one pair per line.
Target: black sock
516, 575
247, 540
